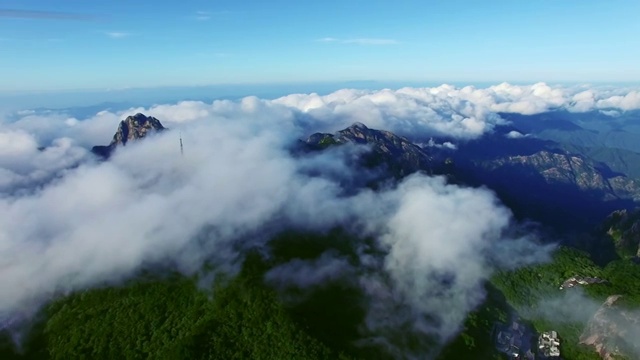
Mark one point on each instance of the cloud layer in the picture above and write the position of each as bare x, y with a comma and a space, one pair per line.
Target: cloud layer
68, 222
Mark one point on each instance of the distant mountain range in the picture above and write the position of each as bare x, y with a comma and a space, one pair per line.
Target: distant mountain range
538, 179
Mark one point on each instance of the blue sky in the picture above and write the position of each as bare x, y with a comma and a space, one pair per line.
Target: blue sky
112, 44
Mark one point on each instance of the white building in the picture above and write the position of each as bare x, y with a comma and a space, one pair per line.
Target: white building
549, 344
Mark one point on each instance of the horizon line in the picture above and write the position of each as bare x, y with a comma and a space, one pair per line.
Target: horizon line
23, 92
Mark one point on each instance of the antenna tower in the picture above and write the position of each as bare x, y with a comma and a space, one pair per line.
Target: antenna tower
181, 149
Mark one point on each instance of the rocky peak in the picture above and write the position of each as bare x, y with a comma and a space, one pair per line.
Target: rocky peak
135, 127
358, 125
132, 128
398, 153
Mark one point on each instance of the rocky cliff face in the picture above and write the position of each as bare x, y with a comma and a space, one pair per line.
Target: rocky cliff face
135, 127
540, 180
398, 154
564, 168
132, 128
612, 331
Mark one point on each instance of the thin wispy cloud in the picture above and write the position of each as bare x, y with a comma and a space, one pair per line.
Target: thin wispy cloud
370, 41
203, 15
44, 15
328, 39
210, 55
117, 34
359, 41
207, 15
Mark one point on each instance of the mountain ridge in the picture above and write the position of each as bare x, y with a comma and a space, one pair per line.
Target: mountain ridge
401, 156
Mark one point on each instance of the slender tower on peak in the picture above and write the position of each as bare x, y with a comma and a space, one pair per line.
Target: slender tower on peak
181, 148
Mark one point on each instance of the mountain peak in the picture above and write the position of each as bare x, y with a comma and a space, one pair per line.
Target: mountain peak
134, 127
359, 125
399, 154
139, 117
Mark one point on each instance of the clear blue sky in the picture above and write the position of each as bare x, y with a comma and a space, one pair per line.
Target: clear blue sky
99, 44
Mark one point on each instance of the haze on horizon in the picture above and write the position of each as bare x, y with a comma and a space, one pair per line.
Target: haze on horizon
47, 46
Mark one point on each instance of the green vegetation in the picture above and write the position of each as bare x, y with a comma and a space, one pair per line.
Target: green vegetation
569, 338
475, 340
171, 318
624, 277
525, 288
624, 231
327, 141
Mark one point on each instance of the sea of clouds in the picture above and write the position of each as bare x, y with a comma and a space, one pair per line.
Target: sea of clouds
69, 221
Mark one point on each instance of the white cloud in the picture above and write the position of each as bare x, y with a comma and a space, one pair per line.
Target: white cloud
15, 144
327, 39
203, 15
515, 135
304, 274
24, 166
583, 101
611, 113
629, 101
446, 110
370, 41
409, 112
99, 222
445, 145
117, 34
360, 41
427, 242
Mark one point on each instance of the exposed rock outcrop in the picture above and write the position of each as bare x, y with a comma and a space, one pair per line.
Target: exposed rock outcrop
564, 168
401, 156
613, 331
133, 127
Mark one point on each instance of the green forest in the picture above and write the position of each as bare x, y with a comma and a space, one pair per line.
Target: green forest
176, 317
525, 288
172, 316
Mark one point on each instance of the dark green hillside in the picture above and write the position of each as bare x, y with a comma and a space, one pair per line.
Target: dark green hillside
154, 317
174, 319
